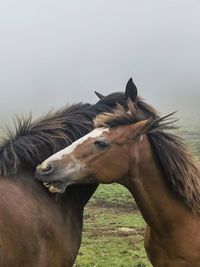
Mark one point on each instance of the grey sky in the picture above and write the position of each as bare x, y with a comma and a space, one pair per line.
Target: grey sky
55, 52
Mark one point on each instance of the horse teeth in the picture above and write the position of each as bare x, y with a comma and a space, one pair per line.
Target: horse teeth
54, 189
46, 184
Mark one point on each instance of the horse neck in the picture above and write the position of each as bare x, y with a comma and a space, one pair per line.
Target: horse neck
68, 203
156, 202
63, 214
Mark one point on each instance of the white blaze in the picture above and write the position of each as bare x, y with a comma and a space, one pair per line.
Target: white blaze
57, 156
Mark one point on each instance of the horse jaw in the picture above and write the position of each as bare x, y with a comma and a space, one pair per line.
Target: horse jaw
57, 187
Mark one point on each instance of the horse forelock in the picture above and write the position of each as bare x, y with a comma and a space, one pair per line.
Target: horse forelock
126, 114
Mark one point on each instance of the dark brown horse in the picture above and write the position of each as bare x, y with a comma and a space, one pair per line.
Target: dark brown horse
156, 167
38, 229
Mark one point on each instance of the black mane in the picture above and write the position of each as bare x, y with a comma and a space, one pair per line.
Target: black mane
119, 98
32, 141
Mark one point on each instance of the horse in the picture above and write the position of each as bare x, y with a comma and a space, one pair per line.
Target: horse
39, 229
154, 165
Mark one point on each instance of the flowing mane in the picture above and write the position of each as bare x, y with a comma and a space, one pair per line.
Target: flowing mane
179, 167
32, 141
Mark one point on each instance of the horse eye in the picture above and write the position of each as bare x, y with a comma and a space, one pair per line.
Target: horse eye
101, 144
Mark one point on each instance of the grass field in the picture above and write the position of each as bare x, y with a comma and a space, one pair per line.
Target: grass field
113, 227
113, 233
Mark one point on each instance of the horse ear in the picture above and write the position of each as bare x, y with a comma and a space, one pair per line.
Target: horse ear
137, 129
100, 96
131, 90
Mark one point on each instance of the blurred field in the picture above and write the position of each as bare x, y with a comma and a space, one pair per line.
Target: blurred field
113, 227
192, 138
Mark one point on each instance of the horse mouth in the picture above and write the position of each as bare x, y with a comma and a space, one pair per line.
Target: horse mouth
55, 187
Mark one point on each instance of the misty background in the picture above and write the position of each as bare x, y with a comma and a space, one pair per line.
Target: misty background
58, 52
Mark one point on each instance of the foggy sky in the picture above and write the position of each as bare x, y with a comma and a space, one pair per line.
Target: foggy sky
58, 52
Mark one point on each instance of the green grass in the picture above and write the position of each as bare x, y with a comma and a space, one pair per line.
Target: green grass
112, 238
112, 194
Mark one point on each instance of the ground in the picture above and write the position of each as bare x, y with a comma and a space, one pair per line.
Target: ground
113, 231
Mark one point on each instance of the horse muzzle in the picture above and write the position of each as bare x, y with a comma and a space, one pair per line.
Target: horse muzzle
52, 179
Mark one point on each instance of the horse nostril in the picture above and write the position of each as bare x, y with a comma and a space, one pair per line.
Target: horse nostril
47, 169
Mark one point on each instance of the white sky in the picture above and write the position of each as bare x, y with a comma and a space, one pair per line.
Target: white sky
58, 52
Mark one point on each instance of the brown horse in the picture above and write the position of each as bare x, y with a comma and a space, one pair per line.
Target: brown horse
38, 229
157, 169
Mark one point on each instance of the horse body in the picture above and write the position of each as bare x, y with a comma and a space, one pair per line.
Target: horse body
154, 166
34, 229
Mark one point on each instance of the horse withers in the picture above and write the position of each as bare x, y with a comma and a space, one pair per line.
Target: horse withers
157, 169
